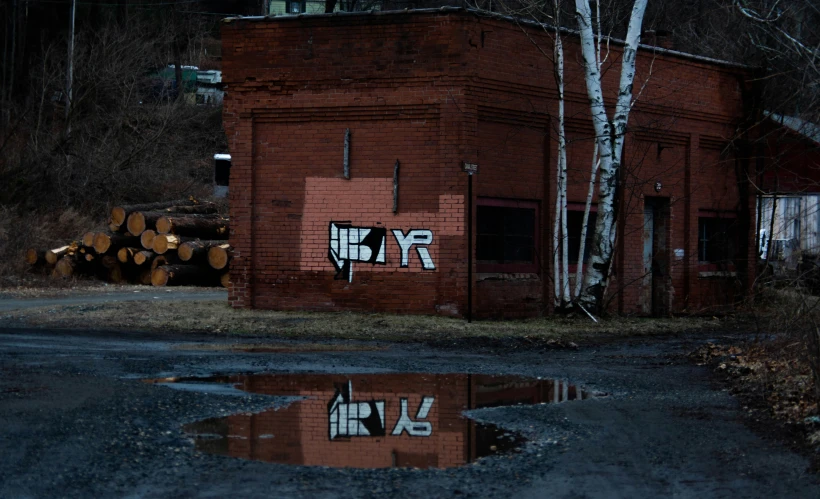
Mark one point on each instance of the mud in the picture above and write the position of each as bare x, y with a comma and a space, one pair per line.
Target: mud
76, 420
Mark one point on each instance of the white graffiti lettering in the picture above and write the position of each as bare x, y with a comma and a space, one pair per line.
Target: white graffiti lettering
415, 428
354, 419
421, 238
350, 244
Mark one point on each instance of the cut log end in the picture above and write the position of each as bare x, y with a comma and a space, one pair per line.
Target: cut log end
225, 280
136, 223
88, 239
160, 276
165, 242
65, 267
219, 256
163, 225
147, 239
34, 256
126, 254
143, 257
53, 255
118, 215
102, 242
185, 251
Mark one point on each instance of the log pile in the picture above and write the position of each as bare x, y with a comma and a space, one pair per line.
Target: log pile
181, 242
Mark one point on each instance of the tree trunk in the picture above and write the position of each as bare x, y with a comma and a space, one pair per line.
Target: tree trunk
115, 274
144, 277
204, 208
196, 250
610, 136
143, 257
65, 267
202, 226
119, 214
54, 255
35, 256
166, 259
127, 254
140, 221
167, 242
579, 272
219, 256
103, 242
180, 275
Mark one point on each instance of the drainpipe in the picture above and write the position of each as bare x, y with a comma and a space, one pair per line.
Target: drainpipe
471, 169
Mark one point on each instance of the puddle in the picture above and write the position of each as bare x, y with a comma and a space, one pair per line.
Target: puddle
372, 420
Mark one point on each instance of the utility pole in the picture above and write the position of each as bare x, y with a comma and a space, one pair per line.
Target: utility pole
69, 79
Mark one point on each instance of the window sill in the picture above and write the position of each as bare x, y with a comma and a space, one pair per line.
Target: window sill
716, 274
506, 276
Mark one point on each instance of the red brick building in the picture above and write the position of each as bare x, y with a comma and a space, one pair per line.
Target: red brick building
349, 134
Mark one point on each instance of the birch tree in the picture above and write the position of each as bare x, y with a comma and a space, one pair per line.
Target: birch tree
560, 236
610, 134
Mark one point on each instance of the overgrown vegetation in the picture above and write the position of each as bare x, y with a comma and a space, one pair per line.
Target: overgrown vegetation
126, 135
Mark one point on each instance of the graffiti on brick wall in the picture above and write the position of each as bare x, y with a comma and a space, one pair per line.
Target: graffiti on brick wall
420, 238
348, 244
349, 418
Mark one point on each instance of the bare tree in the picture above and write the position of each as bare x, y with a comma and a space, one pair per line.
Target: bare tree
610, 133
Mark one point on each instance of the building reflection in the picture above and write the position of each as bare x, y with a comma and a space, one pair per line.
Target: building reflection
300, 434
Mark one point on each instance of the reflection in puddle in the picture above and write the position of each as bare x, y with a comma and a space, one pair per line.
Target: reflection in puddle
374, 421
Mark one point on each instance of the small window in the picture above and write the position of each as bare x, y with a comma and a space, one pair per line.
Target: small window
506, 236
575, 219
717, 239
295, 7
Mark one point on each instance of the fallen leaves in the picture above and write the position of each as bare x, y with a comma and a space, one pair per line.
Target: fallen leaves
772, 378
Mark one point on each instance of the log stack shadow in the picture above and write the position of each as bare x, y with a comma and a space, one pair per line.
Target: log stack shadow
183, 242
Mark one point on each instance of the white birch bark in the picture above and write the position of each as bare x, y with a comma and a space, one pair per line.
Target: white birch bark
579, 271
610, 137
562, 296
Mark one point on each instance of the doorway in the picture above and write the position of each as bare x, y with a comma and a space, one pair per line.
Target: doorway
655, 287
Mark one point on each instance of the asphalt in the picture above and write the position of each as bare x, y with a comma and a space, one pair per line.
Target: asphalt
77, 421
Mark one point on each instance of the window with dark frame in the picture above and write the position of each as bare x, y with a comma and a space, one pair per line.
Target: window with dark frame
506, 236
717, 239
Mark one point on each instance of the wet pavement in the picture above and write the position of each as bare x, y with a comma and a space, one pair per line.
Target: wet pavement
77, 419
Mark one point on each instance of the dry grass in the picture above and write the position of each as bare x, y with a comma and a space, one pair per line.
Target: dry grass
219, 317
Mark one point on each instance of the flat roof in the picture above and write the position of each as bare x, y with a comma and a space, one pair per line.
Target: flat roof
481, 13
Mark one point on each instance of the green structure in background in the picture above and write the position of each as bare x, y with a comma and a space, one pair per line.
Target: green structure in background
284, 7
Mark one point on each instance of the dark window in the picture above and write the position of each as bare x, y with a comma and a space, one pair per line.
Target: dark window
506, 241
717, 239
575, 220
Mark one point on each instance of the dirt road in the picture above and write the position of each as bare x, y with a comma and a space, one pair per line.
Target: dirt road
76, 420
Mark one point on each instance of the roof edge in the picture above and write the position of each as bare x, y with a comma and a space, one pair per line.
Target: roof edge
493, 15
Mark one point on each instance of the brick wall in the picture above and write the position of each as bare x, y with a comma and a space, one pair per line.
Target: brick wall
433, 90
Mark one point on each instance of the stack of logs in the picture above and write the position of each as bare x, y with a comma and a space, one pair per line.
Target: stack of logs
167, 243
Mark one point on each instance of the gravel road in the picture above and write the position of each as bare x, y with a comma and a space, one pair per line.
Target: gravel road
143, 294
77, 421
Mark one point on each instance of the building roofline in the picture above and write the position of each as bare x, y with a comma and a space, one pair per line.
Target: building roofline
492, 15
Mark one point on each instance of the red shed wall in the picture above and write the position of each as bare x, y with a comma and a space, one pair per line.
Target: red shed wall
434, 90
